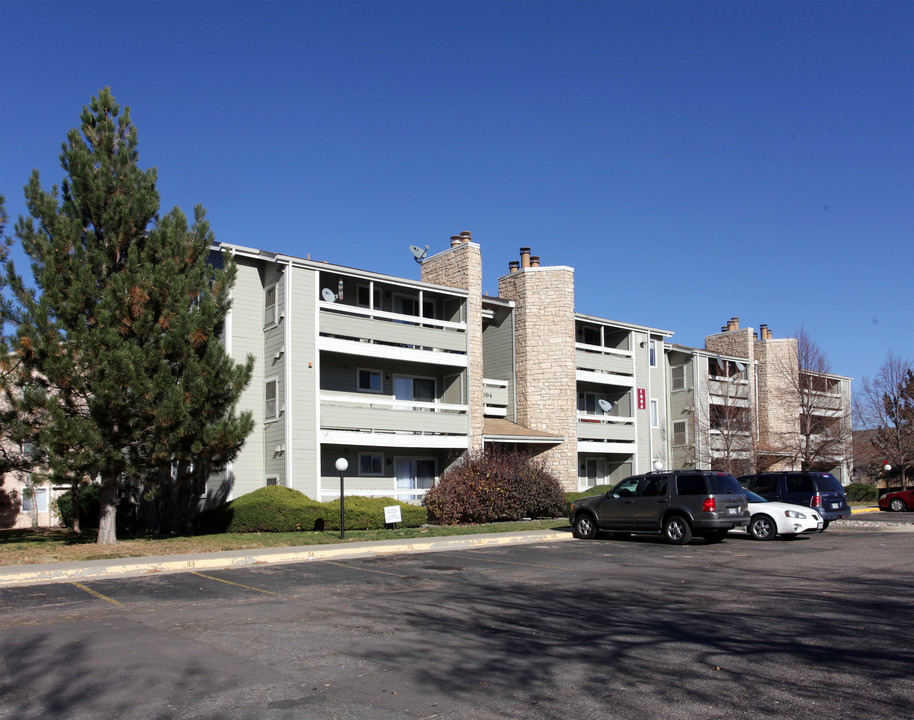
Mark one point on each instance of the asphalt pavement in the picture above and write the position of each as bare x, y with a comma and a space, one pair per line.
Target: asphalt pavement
13, 575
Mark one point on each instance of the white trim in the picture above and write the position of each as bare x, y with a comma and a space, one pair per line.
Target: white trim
398, 440
389, 352
266, 382
275, 306
618, 448
604, 378
288, 434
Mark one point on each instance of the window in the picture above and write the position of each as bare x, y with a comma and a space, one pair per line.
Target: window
654, 486
589, 403
35, 499
655, 413
269, 306
369, 380
364, 297
679, 432
653, 353
415, 389
272, 480
677, 377
415, 473
270, 409
371, 464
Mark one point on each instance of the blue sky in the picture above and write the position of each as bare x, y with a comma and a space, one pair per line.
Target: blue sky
692, 160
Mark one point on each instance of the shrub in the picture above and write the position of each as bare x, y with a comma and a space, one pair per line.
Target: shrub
495, 485
859, 492
279, 509
89, 506
363, 513
268, 509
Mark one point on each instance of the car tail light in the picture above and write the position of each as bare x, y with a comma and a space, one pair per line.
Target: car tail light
709, 505
816, 501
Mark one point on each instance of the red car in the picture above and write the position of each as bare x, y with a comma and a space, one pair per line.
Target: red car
898, 501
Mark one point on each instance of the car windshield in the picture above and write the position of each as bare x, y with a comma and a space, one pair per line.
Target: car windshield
724, 483
753, 498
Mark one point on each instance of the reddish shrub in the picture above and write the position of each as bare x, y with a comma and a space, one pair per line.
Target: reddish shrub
495, 485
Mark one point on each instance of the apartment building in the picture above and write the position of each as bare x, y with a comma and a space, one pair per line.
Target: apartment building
401, 377
742, 403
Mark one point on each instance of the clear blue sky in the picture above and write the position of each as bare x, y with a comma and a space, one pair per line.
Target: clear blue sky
692, 160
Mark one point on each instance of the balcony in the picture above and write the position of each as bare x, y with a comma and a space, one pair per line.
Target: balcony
360, 331
606, 427
384, 415
495, 395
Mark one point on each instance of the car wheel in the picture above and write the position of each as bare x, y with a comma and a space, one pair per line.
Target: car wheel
897, 505
585, 527
676, 530
762, 527
825, 524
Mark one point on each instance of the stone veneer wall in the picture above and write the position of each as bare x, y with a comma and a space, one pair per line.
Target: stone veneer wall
544, 348
461, 266
778, 401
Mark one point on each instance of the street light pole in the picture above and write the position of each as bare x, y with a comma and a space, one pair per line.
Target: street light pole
342, 464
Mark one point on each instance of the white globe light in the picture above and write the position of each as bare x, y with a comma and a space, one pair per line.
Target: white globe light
658, 465
342, 464
887, 467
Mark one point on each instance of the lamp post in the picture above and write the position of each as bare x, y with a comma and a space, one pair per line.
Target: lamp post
342, 464
888, 469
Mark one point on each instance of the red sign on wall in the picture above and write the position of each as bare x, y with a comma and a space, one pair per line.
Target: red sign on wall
642, 404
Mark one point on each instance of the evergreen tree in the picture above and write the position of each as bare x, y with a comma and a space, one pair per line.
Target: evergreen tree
120, 340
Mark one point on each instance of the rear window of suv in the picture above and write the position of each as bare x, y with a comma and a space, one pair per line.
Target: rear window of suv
827, 481
722, 484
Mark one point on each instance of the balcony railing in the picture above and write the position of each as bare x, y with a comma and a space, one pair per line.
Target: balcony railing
605, 427
384, 414
379, 326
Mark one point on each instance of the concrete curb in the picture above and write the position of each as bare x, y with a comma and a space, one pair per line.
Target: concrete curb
15, 575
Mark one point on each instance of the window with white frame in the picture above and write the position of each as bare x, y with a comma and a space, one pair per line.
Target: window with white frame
679, 432
35, 499
653, 352
369, 380
655, 413
269, 306
272, 480
596, 470
271, 407
677, 377
415, 473
371, 464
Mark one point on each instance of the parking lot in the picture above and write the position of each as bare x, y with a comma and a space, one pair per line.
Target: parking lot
813, 627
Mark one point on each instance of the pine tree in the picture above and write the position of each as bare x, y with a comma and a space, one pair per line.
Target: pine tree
120, 340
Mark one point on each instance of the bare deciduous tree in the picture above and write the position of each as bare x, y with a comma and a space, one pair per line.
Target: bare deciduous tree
885, 404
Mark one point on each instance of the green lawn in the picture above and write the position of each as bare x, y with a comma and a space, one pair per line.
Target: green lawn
25, 547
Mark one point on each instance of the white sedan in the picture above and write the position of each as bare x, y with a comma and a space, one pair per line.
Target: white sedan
770, 519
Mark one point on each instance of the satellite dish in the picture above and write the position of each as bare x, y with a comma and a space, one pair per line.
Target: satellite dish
418, 252
740, 366
605, 405
720, 361
328, 295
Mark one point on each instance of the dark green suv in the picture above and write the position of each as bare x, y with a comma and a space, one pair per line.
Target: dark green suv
678, 504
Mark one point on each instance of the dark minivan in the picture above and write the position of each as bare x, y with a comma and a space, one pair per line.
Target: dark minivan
822, 491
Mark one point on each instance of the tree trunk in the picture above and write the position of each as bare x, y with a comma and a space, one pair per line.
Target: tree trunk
107, 521
75, 496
